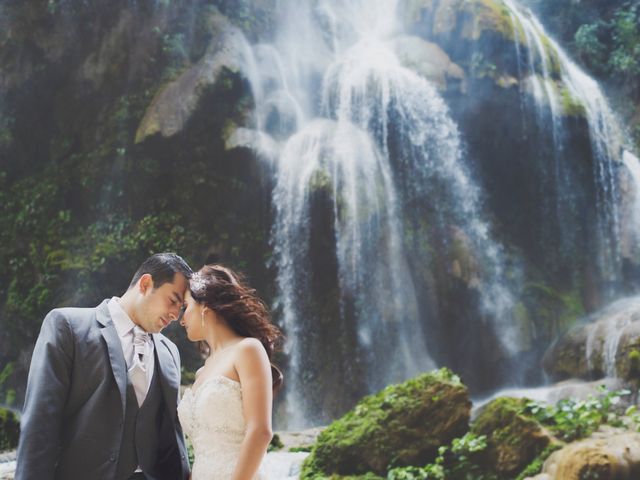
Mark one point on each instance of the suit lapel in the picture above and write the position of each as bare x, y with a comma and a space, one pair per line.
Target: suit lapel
116, 357
169, 374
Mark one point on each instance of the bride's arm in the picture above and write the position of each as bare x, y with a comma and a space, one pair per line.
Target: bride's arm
254, 370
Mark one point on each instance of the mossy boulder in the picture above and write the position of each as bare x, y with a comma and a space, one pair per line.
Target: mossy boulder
401, 425
9, 429
514, 439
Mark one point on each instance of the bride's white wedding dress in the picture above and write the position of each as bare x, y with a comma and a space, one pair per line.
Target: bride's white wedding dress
212, 418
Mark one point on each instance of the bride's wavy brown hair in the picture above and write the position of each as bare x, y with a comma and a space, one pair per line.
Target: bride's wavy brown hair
226, 293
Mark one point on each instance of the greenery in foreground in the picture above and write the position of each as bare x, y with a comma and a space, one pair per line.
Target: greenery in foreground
568, 420
573, 419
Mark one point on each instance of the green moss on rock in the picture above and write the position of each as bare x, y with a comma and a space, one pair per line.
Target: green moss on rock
494, 15
628, 362
514, 440
571, 106
401, 425
634, 364
536, 465
474, 16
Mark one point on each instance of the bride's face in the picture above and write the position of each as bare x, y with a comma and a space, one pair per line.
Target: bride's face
192, 319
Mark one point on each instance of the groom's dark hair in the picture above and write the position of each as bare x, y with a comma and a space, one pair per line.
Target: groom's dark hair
162, 267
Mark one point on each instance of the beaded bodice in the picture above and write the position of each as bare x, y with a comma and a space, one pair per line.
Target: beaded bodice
212, 418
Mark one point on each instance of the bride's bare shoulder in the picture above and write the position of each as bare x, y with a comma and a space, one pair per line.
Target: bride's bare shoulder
251, 348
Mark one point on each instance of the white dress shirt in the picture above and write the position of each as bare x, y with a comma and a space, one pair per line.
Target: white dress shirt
124, 326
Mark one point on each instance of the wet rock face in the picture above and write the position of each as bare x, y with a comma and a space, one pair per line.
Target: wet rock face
496, 115
401, 425
430, 61
174, 105
604, 346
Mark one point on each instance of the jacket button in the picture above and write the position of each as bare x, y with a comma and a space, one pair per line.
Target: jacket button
112, 458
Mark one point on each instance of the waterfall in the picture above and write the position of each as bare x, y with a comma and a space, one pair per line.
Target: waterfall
604, 335
631, 245
345, 121
546, 59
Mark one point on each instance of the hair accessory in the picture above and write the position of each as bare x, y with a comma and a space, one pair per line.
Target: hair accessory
197, 282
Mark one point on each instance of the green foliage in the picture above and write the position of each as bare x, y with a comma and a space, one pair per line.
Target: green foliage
275, 443
632, 417
174, 45
626, 36
535, 467
457, 461
572, 419
32, 226
49, 254
10, 398
5, 376
612, 47
590, 47
7, 371
9, 429
190, 453
255, 19
306, 448
187, 377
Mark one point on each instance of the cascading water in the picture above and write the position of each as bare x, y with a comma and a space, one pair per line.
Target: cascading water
562, 80
632, 240
605, 335
616, 174
375, 140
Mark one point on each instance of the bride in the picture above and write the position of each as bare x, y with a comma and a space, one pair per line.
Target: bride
227, 412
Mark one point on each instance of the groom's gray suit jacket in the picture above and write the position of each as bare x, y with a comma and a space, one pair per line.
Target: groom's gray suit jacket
78, 406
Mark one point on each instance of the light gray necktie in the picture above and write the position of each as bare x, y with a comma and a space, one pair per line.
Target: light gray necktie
139, 369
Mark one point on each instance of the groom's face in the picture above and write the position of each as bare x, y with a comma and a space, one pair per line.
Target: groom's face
160, 306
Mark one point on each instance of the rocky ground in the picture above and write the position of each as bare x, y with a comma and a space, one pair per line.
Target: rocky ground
286, 460
7, 464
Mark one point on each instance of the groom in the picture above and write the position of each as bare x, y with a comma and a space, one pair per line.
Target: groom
103, 386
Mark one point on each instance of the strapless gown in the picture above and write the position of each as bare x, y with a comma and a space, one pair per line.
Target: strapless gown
213, 420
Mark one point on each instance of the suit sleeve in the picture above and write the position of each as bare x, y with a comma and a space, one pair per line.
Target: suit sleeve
46, 396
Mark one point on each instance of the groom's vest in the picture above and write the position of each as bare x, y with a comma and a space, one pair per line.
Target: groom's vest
142, 425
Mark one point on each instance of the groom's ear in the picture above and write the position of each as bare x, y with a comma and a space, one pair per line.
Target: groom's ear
145, 283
